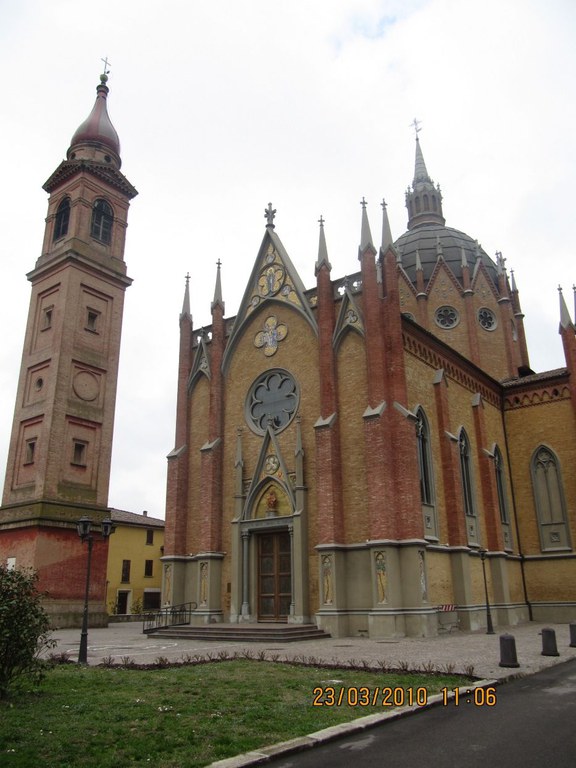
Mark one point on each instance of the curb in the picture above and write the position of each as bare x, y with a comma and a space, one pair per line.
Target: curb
301, 743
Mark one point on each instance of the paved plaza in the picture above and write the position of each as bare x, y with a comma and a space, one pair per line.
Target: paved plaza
461, 650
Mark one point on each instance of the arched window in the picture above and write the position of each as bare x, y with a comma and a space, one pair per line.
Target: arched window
62, 219
468, 487
466, 474
502, 497
426, 475
549, 499
102, 218
424, 458
426, 204
417, 201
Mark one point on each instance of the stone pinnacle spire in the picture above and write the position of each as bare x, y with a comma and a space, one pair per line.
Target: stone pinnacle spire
218, 288
186, 303
565, 319
386, 231
322, 249
365, 234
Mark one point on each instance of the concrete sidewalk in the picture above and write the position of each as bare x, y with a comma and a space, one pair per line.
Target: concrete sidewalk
458, 650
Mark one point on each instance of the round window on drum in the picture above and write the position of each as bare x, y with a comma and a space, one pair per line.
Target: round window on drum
487, 319
446, 317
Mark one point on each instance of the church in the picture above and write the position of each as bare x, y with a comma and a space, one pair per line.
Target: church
371, 454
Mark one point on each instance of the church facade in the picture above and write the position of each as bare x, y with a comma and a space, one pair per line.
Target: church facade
373, 454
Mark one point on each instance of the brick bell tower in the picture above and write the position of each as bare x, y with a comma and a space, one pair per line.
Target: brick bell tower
60, 449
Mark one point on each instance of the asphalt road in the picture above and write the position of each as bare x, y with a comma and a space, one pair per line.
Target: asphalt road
533, 723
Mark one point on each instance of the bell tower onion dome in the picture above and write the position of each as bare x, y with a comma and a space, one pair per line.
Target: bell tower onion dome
96, 138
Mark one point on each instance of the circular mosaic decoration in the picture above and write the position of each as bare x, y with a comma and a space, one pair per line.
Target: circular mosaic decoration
271, 464
487, 319
273, 399
446, 317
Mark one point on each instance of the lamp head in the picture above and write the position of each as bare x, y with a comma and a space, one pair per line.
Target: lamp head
108, 528
83, 526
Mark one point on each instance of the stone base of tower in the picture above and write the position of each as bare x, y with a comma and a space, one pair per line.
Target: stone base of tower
42, 536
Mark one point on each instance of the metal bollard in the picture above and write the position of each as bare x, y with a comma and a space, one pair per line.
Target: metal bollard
508, 656
573, 635
549, 647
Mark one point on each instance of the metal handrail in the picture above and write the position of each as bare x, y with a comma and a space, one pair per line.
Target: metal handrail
170, 616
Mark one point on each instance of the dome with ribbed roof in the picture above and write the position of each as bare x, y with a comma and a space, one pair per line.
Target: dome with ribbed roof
428, 241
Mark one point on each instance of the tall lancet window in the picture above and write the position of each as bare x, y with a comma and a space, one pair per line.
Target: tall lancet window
500, 471
102, 218
62, 219
468, 487
426, 475
549, 499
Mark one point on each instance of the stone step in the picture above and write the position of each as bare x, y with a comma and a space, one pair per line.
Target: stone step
248, 634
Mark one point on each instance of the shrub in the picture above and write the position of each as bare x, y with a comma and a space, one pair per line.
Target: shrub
24, 628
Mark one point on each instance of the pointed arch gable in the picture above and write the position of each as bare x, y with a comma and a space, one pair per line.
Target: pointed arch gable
201, 364
270, 469
349, 319
441, 268
480, 272
273, 279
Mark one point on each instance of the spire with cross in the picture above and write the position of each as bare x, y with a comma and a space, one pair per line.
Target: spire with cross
416, 125
186, 302
217, 300
106, 72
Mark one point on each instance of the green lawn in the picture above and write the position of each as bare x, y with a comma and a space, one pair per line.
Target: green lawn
189, 715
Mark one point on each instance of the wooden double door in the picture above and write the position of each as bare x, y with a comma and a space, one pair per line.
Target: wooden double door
274, 576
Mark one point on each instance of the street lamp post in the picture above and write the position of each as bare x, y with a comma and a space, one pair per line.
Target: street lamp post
84, 526
489, 627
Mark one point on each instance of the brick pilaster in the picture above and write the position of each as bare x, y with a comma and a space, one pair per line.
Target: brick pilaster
328, 452
569, 344
494, 536
471, 324
178, 460
211, 461
404, 461
450, 458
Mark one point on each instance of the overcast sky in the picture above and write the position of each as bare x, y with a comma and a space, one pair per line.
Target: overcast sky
226, 105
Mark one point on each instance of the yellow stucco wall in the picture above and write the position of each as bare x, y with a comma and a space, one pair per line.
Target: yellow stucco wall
128, 542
